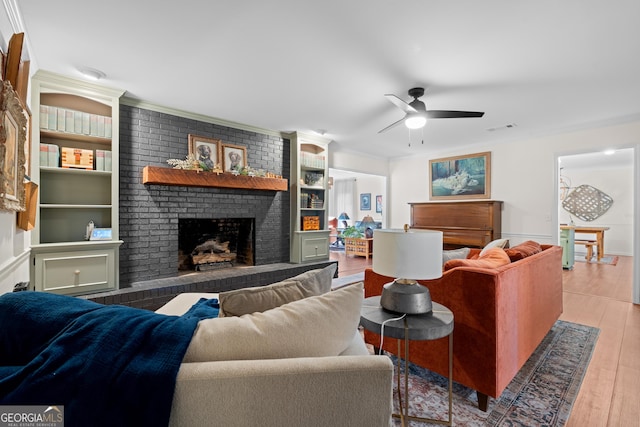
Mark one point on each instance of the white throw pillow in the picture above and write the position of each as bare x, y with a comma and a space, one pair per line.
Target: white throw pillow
498, 243
263, 298
461, 253
316, 326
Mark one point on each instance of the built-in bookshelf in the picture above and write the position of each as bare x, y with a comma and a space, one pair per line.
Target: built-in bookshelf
75, 151
309, 196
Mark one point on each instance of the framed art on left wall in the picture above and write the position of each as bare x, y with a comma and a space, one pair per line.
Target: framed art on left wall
13, 138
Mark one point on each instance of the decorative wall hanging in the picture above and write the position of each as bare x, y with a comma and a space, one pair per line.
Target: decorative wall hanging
587, 202
460, 177
13, 137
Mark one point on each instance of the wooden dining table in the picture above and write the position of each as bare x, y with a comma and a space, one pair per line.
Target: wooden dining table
598, 231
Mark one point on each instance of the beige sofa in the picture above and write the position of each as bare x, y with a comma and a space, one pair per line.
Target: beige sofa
349, 389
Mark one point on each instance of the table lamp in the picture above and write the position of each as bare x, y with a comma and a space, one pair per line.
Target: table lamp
408, 255
344, 218
369, 225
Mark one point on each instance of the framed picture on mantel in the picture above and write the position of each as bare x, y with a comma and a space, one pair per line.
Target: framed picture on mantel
234, 158
460, 177
206, 151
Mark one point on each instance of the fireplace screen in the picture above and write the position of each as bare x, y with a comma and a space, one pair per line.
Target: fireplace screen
210, 244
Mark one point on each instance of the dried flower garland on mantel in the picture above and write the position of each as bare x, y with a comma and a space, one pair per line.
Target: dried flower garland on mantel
192, 163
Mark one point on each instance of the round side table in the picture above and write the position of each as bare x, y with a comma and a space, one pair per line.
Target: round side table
430, 326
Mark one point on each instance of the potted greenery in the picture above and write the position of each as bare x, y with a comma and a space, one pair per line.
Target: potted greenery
351, 231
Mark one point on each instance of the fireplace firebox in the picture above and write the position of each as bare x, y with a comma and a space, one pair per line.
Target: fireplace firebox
211, 244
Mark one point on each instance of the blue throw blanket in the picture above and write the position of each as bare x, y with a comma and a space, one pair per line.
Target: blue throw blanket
108, 365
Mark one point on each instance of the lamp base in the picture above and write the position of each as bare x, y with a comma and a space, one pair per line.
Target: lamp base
406, 297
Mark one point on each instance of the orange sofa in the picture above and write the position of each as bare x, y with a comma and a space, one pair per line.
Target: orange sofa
500, 316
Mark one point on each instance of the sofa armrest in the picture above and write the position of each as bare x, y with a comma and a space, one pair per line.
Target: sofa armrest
181, 303
314, 391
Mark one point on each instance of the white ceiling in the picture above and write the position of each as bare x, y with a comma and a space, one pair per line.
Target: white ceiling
545, 66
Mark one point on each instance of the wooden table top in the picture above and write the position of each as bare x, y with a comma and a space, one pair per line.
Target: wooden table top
583, 228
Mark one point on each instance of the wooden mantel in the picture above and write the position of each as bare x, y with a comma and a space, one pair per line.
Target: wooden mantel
189, 178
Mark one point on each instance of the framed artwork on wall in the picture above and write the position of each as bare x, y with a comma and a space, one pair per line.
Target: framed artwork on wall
378, 204
234, 157
206, 151
460, 177
365, 201
12, 150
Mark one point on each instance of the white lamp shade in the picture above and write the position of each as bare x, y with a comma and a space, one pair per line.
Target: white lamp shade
411, 254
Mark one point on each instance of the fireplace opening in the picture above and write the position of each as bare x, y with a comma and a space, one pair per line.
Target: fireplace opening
211, 244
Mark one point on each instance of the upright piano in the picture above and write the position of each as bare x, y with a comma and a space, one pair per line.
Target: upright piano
463, 223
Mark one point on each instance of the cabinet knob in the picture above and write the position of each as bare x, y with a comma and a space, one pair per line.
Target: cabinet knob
76, 272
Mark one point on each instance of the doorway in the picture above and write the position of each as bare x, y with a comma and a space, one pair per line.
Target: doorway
612, 173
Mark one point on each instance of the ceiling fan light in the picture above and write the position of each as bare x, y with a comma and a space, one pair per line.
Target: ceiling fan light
415, 121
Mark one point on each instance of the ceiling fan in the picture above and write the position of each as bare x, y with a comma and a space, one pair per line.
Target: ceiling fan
417, 114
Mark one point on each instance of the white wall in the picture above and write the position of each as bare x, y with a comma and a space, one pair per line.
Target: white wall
523, 177
14, 242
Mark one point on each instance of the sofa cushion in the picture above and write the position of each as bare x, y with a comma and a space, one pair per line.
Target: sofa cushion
316, 326
498, 243
492, 258
262, 298
523, 250
461, 253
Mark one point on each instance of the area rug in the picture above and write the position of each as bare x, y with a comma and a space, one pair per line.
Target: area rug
541, 394
609, 260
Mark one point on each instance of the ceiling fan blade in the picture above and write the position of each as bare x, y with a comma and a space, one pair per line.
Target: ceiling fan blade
401, 104
447, 114
392, 125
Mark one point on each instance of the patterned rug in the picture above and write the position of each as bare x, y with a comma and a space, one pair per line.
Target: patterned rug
610, 260
541, 394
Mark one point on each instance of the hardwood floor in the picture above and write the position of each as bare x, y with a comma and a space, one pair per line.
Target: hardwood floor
600, 296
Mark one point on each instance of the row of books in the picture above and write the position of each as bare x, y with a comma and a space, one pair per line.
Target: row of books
76, 122
76, 158
310, 200
312, 160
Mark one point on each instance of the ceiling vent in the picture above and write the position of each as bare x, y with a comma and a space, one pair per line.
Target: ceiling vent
508, 126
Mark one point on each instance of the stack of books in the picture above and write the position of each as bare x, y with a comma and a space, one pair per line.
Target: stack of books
49, 155
76, 122
311, 160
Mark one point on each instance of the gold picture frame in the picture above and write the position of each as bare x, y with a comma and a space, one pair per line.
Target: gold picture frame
234, 157
460, 177
206, 151
13, 137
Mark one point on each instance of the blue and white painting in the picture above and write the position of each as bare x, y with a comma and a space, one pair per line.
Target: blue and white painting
460, 177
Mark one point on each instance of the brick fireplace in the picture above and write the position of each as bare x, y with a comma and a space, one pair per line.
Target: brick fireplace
150, 214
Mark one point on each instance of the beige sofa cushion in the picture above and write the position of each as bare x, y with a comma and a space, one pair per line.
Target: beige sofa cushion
316, 326
263, 298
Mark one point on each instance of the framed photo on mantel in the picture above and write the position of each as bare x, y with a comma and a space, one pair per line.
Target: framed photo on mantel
205, 150
234, 158
460, 177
